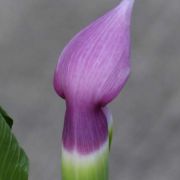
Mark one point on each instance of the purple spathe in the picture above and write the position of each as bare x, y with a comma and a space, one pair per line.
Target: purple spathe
85, 128
91, 71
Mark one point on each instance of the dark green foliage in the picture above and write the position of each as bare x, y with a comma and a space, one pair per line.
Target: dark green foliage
13, 160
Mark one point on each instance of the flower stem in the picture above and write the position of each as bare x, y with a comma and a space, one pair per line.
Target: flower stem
93, 166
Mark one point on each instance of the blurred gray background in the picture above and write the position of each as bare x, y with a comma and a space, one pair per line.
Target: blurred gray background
146, 142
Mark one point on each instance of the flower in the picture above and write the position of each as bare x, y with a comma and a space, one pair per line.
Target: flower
91, 71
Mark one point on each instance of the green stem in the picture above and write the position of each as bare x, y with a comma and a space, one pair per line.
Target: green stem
93, 166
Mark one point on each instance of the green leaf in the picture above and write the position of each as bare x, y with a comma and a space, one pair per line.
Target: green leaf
6, 117
14, 163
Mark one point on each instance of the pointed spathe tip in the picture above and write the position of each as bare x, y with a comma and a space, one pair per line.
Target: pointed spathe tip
125, 8
126, 5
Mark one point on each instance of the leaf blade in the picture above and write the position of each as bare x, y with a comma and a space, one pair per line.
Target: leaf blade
6, 117
14, 163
